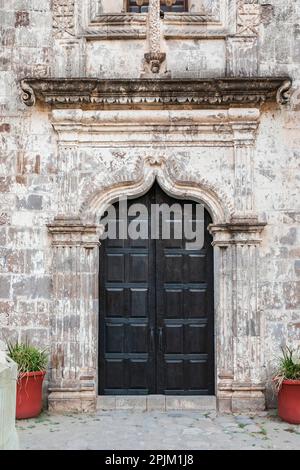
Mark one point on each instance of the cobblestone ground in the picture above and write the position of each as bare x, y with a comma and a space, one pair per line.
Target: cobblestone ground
118, 430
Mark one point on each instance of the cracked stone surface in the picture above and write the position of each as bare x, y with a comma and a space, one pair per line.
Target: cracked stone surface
119, 430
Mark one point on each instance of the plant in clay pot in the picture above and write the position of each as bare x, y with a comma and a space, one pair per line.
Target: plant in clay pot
287, 383
32, 363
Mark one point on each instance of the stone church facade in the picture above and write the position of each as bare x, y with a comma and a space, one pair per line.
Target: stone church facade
102, 98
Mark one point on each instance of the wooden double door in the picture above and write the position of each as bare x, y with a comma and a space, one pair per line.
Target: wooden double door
156, 311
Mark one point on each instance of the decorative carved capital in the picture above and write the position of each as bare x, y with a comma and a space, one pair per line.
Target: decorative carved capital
69, 232
237, 232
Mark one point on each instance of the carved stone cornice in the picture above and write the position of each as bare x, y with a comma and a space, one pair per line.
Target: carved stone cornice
92, 92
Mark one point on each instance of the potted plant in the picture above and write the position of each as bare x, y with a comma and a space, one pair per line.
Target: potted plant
32, 363
287, 382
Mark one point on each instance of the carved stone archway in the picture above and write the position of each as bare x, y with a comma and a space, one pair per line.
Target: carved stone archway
239, 383
171, 180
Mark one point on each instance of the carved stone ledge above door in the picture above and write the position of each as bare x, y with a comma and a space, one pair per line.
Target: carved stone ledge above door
141, 93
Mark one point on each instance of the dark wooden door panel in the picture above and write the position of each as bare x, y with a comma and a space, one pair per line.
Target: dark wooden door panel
195, 301
156, 312
173, 302
127, 315
184, 313
138, 267
139, 305
115, 267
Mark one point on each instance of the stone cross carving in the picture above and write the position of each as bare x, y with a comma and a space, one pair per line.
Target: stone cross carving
63, 18
155, 57
248, 17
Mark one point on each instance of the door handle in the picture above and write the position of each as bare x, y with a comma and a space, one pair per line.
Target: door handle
152, 338
160, 338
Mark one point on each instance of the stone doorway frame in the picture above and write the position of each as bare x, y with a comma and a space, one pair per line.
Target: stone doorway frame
223, 112
74, 328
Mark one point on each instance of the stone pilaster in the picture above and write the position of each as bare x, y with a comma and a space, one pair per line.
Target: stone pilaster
243, 178
68, 178
244, 137
75, 314
223, 321
240, 366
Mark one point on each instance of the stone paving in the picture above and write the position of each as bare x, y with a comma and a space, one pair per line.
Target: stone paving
183, 430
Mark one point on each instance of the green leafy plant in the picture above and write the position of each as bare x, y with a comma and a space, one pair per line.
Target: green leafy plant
289, 367
27, 357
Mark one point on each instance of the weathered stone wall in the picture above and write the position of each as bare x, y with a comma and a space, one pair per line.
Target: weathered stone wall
27, 173
277, 198
58, 38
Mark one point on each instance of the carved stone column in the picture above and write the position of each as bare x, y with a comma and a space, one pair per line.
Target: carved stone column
239, 359
74, 317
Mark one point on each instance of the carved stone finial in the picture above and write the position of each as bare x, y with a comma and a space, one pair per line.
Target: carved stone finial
283, 95
28, 96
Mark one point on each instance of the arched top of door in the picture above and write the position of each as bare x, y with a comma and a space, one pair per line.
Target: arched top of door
171, 178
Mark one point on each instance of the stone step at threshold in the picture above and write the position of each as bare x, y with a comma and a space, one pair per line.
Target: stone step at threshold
156, 403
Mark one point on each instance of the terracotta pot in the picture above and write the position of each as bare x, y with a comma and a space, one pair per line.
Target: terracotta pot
289, 401
29, 395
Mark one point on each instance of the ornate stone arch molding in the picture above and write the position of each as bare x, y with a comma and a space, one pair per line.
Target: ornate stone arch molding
170, 178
